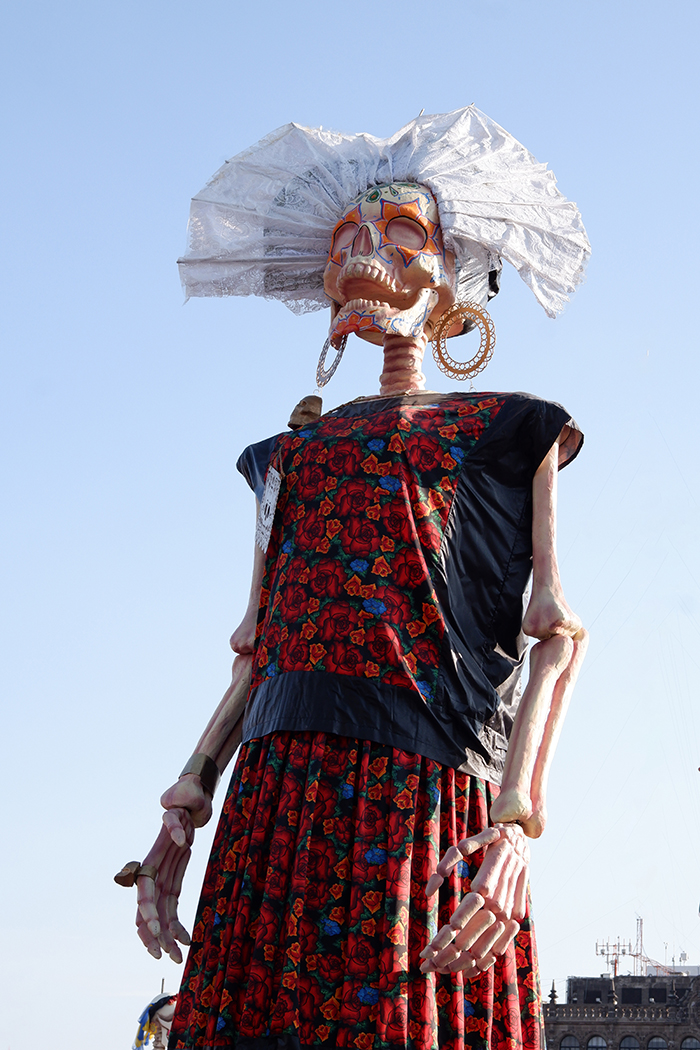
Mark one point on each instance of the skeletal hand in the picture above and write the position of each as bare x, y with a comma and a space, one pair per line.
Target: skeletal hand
157, 922
488, 917
159, 877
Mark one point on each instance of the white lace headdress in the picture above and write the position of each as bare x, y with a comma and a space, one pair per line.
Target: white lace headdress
263, 224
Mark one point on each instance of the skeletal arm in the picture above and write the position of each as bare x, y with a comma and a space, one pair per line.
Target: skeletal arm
188, 803
489, 916
547, 612
224, 729
554, 666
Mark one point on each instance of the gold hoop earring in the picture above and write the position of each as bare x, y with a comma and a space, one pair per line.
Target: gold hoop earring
465, 312
323, 374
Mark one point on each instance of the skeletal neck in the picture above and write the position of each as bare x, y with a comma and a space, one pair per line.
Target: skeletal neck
403, 356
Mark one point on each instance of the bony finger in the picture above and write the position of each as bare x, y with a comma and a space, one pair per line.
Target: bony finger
188, 825
147, 939
147, 896
179, 872
489, 873
452, 857
434, 883
142, 931
464, 962
442, 938
479, 841
474, 929
466, 910
509, 895
499, 896
443, 958
146, 890
175, 954
165, 938
173, 823
486, 941
520, 897
159, 848
509, 932
178, 931
148, 911
170, 908
178, 836
484, 962
175, 927
169, 871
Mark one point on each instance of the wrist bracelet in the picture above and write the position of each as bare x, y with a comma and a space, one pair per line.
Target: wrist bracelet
206, 769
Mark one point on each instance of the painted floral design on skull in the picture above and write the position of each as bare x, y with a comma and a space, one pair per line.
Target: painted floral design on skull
388, 272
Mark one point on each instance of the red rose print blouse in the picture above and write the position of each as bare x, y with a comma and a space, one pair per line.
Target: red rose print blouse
391, 605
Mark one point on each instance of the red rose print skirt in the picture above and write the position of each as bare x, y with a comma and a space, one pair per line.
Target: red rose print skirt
313, 912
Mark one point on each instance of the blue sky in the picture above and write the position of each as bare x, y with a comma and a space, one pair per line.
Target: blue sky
126, 537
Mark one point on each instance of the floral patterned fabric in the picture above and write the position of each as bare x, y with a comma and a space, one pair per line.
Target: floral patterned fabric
313, 913
359, 526
391, 604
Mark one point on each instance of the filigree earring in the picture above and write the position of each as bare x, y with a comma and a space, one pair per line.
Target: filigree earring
476, 315
323, 374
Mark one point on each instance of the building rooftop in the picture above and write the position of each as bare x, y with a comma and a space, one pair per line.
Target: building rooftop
626, 1012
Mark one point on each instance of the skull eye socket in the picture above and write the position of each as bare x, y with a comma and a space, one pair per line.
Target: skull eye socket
343, 236
406, 232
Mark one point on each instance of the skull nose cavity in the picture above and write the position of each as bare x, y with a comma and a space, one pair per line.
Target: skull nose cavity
362, 245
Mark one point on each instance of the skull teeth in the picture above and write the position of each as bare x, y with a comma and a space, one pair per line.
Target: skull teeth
363, 304
370, 273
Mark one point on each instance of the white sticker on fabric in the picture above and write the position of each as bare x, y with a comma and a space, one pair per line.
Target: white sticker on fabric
267, 509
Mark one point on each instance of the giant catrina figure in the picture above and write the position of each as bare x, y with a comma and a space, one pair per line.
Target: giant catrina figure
367, 885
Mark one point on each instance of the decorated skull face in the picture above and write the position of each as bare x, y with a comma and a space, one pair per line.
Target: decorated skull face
388, 272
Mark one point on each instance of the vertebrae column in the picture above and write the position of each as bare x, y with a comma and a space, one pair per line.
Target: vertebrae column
403, 357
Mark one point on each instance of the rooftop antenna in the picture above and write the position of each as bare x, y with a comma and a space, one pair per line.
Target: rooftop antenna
640, 957
612, 950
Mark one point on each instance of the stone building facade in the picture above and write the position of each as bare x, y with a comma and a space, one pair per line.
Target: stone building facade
626, 1013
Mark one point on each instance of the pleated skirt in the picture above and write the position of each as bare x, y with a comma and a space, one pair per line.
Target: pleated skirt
313, 912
